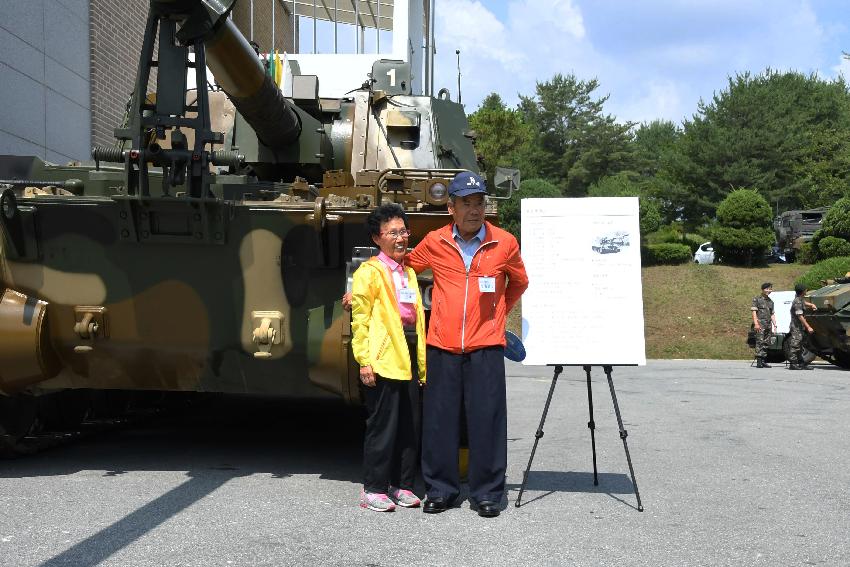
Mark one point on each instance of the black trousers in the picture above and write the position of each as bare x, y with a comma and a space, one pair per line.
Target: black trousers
476, 380
393, 426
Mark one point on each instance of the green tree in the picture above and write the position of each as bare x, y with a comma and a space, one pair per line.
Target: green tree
744, 230
622, 184
626, 184
836, 221
502, 138
656, 147
835, 226
783, 134
650, 217
575, 143
655, 142
509, 209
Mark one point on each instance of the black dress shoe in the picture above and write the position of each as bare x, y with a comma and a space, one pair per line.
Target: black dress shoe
487, 509
435, 505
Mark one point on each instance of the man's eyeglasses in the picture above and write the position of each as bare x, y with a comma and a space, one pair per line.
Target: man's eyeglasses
396, 234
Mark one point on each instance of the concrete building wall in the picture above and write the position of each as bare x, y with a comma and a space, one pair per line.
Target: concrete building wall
44, 79
68, 67
117, 28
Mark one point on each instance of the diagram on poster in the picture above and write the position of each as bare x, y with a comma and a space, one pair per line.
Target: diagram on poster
584, 303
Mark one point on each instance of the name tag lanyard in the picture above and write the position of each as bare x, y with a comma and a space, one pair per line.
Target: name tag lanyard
403, 293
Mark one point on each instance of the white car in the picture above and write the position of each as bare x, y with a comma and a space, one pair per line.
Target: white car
704, 254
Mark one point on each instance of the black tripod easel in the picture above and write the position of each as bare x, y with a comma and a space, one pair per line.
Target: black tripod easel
607, 368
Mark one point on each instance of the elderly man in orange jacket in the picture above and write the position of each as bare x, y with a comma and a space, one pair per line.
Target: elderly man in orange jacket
478, 277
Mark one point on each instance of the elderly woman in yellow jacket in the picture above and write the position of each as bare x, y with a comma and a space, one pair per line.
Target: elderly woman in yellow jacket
388, 328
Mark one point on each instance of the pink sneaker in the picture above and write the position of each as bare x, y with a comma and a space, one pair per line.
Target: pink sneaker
376, 502
404, 498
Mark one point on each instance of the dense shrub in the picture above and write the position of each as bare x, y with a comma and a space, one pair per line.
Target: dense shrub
744, 231
740, 246
665, 233
806, 255
836, 224
693, 243
836, 221
672, 233
650, 216
832, 246
828, 269
666, 254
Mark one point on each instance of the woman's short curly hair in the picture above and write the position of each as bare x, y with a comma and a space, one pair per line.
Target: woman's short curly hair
382, 214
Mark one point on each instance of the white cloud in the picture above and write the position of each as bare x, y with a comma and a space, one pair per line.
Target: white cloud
505, 57
529, 16
655, 99
467, 25
843, 68
656, 58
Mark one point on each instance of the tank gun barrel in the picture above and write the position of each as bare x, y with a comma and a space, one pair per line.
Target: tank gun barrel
257, 98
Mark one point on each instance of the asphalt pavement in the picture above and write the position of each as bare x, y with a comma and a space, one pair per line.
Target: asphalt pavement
735, 466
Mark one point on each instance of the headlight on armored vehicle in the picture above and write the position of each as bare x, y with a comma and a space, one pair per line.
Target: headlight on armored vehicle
437, 193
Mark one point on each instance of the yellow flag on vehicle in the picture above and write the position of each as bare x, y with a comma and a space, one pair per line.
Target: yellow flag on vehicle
278, 69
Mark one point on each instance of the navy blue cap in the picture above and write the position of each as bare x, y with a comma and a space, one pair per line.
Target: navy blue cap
466, 183
514, 350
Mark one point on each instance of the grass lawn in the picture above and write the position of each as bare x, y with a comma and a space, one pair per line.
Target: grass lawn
697, 311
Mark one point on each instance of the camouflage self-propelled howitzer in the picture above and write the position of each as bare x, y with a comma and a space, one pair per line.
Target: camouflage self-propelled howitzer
208, 249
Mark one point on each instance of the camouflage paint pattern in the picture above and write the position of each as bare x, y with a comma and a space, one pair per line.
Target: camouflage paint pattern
830, 322
237, 292
763, 308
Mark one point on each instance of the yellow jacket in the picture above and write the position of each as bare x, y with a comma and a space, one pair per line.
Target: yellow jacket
377, 333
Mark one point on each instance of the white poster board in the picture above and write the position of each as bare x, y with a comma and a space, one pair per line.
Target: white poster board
782, 309
584, 303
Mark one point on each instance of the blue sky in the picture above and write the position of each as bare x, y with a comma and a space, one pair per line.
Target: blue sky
655, 58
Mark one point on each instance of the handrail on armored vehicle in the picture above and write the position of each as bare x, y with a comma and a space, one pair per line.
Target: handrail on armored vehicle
430, 184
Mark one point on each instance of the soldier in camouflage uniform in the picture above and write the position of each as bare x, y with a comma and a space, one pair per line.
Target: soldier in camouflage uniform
764, 322
795, 334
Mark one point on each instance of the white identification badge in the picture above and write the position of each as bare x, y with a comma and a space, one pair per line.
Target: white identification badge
487, 285
407, 295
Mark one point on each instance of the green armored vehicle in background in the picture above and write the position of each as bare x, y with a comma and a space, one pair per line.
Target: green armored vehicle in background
831, 322
795, 228
208, 249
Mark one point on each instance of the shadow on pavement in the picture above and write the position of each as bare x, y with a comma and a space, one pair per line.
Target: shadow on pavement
213, 439
240, 435
549, 482
108, 541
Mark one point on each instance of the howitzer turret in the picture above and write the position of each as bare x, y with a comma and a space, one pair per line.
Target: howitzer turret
208, 249
216, 44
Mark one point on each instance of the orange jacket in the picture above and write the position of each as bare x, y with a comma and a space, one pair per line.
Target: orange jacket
463, 318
